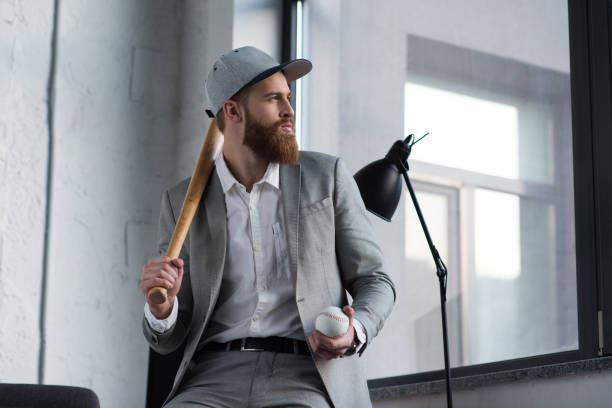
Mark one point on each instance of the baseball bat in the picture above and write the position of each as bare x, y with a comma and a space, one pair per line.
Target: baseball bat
204, 165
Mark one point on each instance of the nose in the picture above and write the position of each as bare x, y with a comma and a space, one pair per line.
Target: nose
287, 110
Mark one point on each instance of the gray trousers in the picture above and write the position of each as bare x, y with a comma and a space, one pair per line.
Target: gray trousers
237, 379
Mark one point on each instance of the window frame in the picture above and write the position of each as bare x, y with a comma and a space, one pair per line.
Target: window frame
599, 27
289, 40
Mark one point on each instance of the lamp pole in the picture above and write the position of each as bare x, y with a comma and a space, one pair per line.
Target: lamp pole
441, 271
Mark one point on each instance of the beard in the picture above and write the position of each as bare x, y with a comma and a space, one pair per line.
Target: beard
269, 141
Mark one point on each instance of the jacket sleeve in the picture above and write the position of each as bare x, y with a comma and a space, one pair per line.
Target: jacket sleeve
359, 257
171, 339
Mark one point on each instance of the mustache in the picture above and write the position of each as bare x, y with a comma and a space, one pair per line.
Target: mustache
282, 122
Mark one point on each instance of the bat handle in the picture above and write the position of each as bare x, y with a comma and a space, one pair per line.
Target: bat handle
157, 295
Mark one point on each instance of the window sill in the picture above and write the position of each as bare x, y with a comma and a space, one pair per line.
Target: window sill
483, 380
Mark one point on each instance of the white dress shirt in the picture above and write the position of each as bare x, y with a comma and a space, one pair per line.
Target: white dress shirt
257, 297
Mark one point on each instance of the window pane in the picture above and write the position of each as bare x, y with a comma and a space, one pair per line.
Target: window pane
436, 207
489, 252
514, 290
416, 341
469, 122
494, 176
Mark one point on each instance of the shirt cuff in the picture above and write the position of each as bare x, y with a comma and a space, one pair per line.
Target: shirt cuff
163, 325
360, 332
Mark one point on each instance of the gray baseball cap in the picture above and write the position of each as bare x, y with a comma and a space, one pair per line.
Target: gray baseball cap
244, 67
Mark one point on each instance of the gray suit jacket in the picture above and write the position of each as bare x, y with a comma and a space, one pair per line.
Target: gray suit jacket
331, 251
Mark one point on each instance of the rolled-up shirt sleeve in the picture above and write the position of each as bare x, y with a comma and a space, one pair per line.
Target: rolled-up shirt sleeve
163, 325
361, 335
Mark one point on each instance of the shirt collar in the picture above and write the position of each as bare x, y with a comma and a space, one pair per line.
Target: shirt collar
271, 176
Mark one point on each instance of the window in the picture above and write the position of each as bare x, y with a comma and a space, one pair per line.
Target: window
506, 148
495, 177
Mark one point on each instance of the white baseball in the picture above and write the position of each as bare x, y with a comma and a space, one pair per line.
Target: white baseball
332, 322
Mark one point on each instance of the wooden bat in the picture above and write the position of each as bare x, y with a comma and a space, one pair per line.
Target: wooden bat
206, 160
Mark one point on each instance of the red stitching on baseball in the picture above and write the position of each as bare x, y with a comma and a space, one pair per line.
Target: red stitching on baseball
335, 317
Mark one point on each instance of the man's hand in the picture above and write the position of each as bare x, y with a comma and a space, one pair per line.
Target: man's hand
334, 347
164, 272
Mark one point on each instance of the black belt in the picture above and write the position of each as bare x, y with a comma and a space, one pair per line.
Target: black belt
273, 343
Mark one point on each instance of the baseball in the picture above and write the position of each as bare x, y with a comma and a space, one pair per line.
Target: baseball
332, 322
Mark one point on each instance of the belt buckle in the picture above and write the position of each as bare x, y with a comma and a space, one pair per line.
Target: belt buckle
243, 348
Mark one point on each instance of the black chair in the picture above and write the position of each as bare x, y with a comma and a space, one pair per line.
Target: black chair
46, 396
162, 369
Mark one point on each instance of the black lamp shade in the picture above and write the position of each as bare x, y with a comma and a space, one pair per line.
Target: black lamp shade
380, 185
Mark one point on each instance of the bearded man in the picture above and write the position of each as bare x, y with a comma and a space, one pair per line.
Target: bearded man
279, 235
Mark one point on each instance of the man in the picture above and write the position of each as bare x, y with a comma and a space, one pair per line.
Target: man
278, 236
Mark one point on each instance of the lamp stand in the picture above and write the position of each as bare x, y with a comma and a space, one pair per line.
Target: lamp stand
442, 273
399, 155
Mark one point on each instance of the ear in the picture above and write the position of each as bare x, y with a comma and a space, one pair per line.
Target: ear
232, 111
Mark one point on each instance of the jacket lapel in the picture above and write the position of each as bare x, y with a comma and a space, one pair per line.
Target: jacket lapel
290, 184
208, 246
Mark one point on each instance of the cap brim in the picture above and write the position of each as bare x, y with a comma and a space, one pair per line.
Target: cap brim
296, 69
